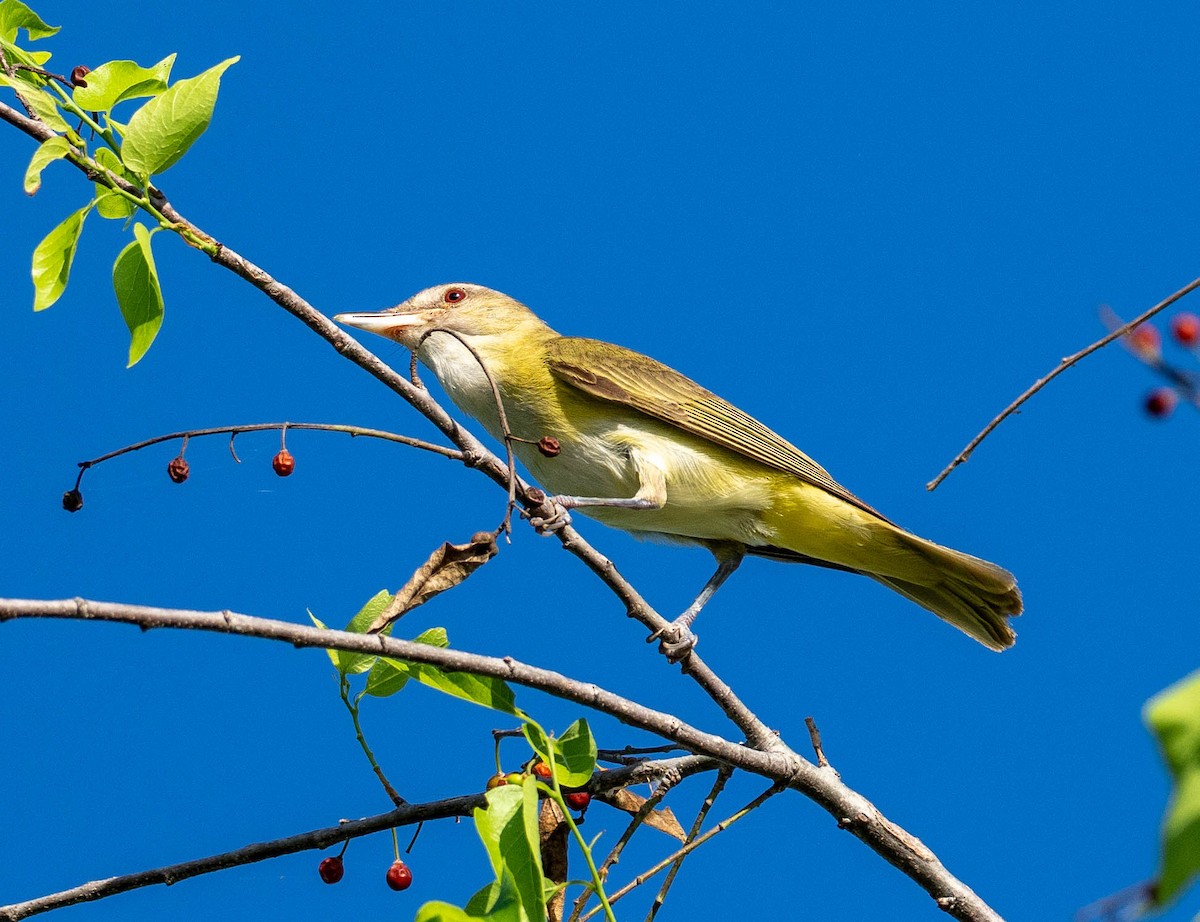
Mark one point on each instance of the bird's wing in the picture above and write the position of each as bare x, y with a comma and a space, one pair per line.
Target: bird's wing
634, 380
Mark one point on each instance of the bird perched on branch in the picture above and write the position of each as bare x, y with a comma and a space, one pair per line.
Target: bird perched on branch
647, 450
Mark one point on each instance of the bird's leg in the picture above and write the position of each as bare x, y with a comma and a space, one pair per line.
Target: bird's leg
676, 639
651, 494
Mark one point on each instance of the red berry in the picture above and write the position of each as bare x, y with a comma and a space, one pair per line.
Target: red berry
578, 800
72, 500
542, 770
1186, 328
399, 877
283, 463
178, 469
331, 869
1161, 401
1145, 340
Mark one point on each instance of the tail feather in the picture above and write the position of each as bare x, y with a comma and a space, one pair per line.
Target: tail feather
976, 596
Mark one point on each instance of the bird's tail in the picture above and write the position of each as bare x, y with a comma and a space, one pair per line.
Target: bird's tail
975, 596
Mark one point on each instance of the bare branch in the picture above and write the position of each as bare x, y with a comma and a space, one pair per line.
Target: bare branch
317, 838
1063, 365
852, 811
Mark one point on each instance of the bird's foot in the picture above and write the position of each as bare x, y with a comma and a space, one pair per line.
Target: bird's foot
553, 518
676, 640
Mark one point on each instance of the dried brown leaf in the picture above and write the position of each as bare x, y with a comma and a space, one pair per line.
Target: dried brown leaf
446, 567
662, 819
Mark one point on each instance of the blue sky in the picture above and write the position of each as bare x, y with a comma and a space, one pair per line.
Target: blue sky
869, 226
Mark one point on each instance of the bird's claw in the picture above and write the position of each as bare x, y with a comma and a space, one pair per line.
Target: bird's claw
553, 523
675, 641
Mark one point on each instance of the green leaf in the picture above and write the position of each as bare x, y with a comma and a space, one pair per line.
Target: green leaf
387, 676
17, 55
434, 637
353, 663
48, 151
111, 204
497, 902
42, 103
1174, 717
574, 752
52, 259
117, 81
15, 15
135, 281
491, 693
162, 130
509, 831
576, 756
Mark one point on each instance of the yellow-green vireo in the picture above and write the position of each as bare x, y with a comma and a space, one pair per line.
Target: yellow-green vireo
645, 449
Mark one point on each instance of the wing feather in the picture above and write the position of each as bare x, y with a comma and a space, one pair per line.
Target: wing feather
639, 382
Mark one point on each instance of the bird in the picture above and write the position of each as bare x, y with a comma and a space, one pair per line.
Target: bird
646, 449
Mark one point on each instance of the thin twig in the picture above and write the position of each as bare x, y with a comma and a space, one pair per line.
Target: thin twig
691, 846
614, 854
506, 522
1063, 365
723, 776
356, 431
631, 755
11, 71
815, 736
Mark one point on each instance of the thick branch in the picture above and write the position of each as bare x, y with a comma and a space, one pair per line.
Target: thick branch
850, 809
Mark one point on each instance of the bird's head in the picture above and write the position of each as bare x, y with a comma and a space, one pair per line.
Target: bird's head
463, 308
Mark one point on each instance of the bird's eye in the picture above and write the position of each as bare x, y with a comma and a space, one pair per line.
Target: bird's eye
453, 295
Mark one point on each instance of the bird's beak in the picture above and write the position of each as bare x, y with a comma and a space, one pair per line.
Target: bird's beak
384, 323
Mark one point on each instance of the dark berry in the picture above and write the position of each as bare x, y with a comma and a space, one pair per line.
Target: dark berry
78, 72
549, 446
283, 463
331, 869
178, 469
578, 800
399, 877
72, 500
1161, 401
1185, 327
